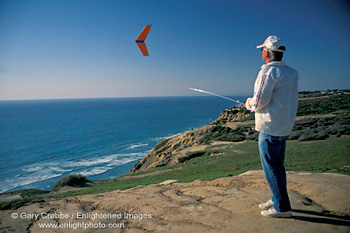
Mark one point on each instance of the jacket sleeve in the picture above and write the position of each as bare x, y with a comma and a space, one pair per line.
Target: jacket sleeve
262, 92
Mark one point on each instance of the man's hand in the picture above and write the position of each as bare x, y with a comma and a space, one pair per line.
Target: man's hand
247, 105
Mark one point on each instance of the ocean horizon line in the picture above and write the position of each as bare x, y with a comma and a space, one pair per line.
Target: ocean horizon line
121, 97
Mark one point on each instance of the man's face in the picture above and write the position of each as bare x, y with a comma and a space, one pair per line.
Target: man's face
265, 55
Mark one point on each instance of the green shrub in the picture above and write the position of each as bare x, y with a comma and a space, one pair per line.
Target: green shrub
74, 180
13, 204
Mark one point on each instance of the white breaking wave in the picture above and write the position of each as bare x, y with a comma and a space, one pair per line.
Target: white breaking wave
99, 170
33, 169
19, 181
136, 146
105, 160
33, 174
88, 167
124, 160
95, 171
91, 161
46, 166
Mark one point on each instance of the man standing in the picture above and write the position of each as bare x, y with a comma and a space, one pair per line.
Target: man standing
275, 103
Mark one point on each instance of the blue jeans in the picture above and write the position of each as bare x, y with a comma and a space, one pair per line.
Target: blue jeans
272, 152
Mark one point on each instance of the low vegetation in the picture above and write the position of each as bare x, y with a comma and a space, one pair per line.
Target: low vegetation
319, 116
323, 104
221, 133
73, 180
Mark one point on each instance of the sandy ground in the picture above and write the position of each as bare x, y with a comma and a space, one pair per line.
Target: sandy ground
320, 203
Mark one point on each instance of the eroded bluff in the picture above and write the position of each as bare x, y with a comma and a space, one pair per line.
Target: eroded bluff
172, 150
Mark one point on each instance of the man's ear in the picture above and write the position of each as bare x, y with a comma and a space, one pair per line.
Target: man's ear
268, 54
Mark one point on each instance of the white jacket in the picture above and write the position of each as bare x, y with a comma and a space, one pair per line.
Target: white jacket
275, 99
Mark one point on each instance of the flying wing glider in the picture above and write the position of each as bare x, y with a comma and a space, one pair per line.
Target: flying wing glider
140, 40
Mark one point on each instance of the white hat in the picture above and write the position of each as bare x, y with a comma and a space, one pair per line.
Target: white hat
272, 43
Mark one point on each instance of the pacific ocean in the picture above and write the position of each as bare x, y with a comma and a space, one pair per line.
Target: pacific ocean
42, 141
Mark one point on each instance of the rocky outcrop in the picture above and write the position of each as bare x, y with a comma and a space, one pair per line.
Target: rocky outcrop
171, 151
168, 152
320, 203
235, 114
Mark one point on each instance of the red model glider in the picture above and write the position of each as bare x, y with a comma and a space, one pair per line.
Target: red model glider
140, 41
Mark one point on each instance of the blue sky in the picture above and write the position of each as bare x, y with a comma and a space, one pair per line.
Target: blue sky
86, 49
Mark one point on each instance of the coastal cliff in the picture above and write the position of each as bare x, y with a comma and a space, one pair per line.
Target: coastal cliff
319, 117
173, 150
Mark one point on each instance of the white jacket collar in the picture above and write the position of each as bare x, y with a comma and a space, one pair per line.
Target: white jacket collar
274, 63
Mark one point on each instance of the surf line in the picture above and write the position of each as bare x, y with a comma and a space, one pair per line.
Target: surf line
207, 92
